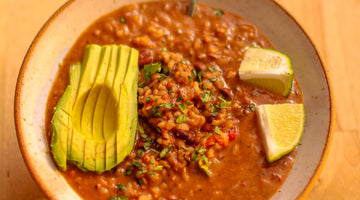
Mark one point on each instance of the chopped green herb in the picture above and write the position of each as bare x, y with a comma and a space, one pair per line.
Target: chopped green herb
222, 99
139, 153
194, 72
199, 151
199, 76
151, 69
165, 151
139, 181
164, 49
211, 69
158, 129
155, 151
214, 110
170, 90
216, 130
183, 147
137, 164
141, 172
156, 112
162, 77
147, 99
190, 78
119, 198
225, 104
142, 84
181, 119
122, 20
166, 70
167, 105
213, 80
208, 135
183, 62
147, 145
203, 86
158, 168
179, 98
181, 107
206, 97
163, 41
252, 107
204, 165
151, 162
151, 175
188, 103
121, 187
218, 12
128, 171
194, 156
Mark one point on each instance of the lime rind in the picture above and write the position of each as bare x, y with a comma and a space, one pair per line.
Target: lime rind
261, 64
267, 116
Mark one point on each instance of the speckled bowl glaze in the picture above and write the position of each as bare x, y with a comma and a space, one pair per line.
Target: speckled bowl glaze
65, 26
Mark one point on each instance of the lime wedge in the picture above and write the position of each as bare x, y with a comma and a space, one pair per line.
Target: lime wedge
267, 68
282, 126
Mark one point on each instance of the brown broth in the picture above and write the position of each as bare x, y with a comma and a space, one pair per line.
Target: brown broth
239, 170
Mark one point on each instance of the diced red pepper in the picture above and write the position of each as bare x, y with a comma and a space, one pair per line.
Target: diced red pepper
232, 133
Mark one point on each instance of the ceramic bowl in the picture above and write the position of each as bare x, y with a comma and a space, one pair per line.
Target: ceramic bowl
64, 27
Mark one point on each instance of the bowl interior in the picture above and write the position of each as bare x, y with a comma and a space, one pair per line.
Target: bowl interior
61, 31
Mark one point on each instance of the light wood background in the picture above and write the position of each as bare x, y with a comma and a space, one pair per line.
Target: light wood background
334, 26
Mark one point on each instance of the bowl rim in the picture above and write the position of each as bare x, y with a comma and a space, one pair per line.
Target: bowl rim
50, 194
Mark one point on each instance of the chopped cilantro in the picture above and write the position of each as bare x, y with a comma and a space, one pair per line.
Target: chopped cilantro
158, 168
181, 107
213, 80
216, 130
121, 187
252, 107
140, 172
165, 151
206, 97
156, 112
119, 197
181, 119
122, 20
199, 76
190, 78
167, 105
142, 84
204, 165
162, 77
218, 12
151, 69
164, 49
194, 72
225, 104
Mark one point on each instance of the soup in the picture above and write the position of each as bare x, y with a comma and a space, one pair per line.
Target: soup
216, 151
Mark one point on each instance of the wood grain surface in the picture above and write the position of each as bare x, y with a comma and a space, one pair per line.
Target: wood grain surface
333, 25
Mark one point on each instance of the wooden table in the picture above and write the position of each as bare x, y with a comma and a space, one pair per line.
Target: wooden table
334, 26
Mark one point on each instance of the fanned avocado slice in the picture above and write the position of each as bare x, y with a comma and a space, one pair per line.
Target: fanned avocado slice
61, 122
96, 131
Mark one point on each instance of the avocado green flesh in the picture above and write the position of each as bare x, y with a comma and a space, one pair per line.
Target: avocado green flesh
61, 120
89, 129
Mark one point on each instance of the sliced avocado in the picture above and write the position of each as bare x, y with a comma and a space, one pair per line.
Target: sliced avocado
88, 114
99, 113
60, 123
111, 117
128, 107
98, 128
